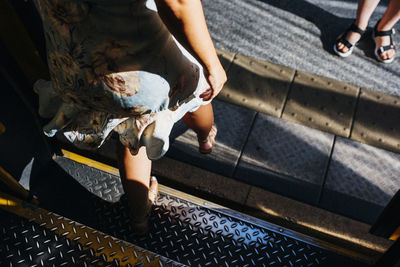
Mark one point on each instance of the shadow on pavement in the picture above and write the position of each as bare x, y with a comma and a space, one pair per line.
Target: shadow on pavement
329, 24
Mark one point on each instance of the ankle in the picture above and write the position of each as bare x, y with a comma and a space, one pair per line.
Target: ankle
383, 28
383, 25
361, 24
202, 139
202, 135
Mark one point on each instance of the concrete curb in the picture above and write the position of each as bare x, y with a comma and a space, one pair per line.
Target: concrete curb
335, 107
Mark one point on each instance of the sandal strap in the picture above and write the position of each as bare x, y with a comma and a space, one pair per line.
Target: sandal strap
354, 28
211, 134
389, 33
344, 41
385, 33
385, 48
210, 140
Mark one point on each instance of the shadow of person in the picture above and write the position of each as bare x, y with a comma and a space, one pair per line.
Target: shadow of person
22, 145
58, 192
93, 198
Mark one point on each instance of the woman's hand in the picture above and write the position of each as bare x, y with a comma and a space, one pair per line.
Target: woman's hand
216, 78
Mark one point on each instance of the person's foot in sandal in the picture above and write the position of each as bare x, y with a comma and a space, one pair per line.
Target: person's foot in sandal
345, 43
384, 47
206, 145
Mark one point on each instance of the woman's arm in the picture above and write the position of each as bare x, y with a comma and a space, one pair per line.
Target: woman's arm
185, 20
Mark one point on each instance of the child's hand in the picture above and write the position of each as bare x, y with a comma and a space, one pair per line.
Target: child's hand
216, 78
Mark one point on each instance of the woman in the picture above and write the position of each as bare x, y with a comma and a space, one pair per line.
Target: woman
118, 65
382, 34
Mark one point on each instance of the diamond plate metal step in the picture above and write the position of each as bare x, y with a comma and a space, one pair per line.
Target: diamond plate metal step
32, 236
196, 232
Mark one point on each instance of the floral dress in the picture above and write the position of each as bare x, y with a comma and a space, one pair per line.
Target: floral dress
115, 67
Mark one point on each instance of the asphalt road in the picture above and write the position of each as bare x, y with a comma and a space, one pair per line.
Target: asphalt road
300, 34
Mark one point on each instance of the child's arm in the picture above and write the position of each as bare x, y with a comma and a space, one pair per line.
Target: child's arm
185, 20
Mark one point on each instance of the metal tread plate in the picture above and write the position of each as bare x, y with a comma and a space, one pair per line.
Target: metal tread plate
32, 236
198, 233
25, 243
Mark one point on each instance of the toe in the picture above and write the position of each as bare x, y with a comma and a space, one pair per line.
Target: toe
391, 53
387, 54
342, 48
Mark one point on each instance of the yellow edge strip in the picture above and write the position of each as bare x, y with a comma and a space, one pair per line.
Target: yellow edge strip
2, 128
90, 162
396, 234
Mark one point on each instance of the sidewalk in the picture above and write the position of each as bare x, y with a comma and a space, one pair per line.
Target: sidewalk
300, 35
292, 156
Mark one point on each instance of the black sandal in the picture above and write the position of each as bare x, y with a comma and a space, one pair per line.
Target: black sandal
380, 50
352, 28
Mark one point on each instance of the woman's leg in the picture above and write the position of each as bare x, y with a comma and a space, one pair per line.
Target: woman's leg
389, 19
135, 175
364, 11
200, 121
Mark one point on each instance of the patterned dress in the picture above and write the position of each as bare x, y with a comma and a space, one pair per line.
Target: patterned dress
115, 67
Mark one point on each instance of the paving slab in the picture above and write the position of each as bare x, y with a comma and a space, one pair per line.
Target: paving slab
233, 123
361, 180
377, 120
257, 85
286, 158
321, 103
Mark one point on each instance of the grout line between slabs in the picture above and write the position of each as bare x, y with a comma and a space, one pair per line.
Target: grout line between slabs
244, 145
326, 171
287, 94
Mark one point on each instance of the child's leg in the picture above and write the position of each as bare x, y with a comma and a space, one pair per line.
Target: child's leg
364, 11
200, 121
135, 175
